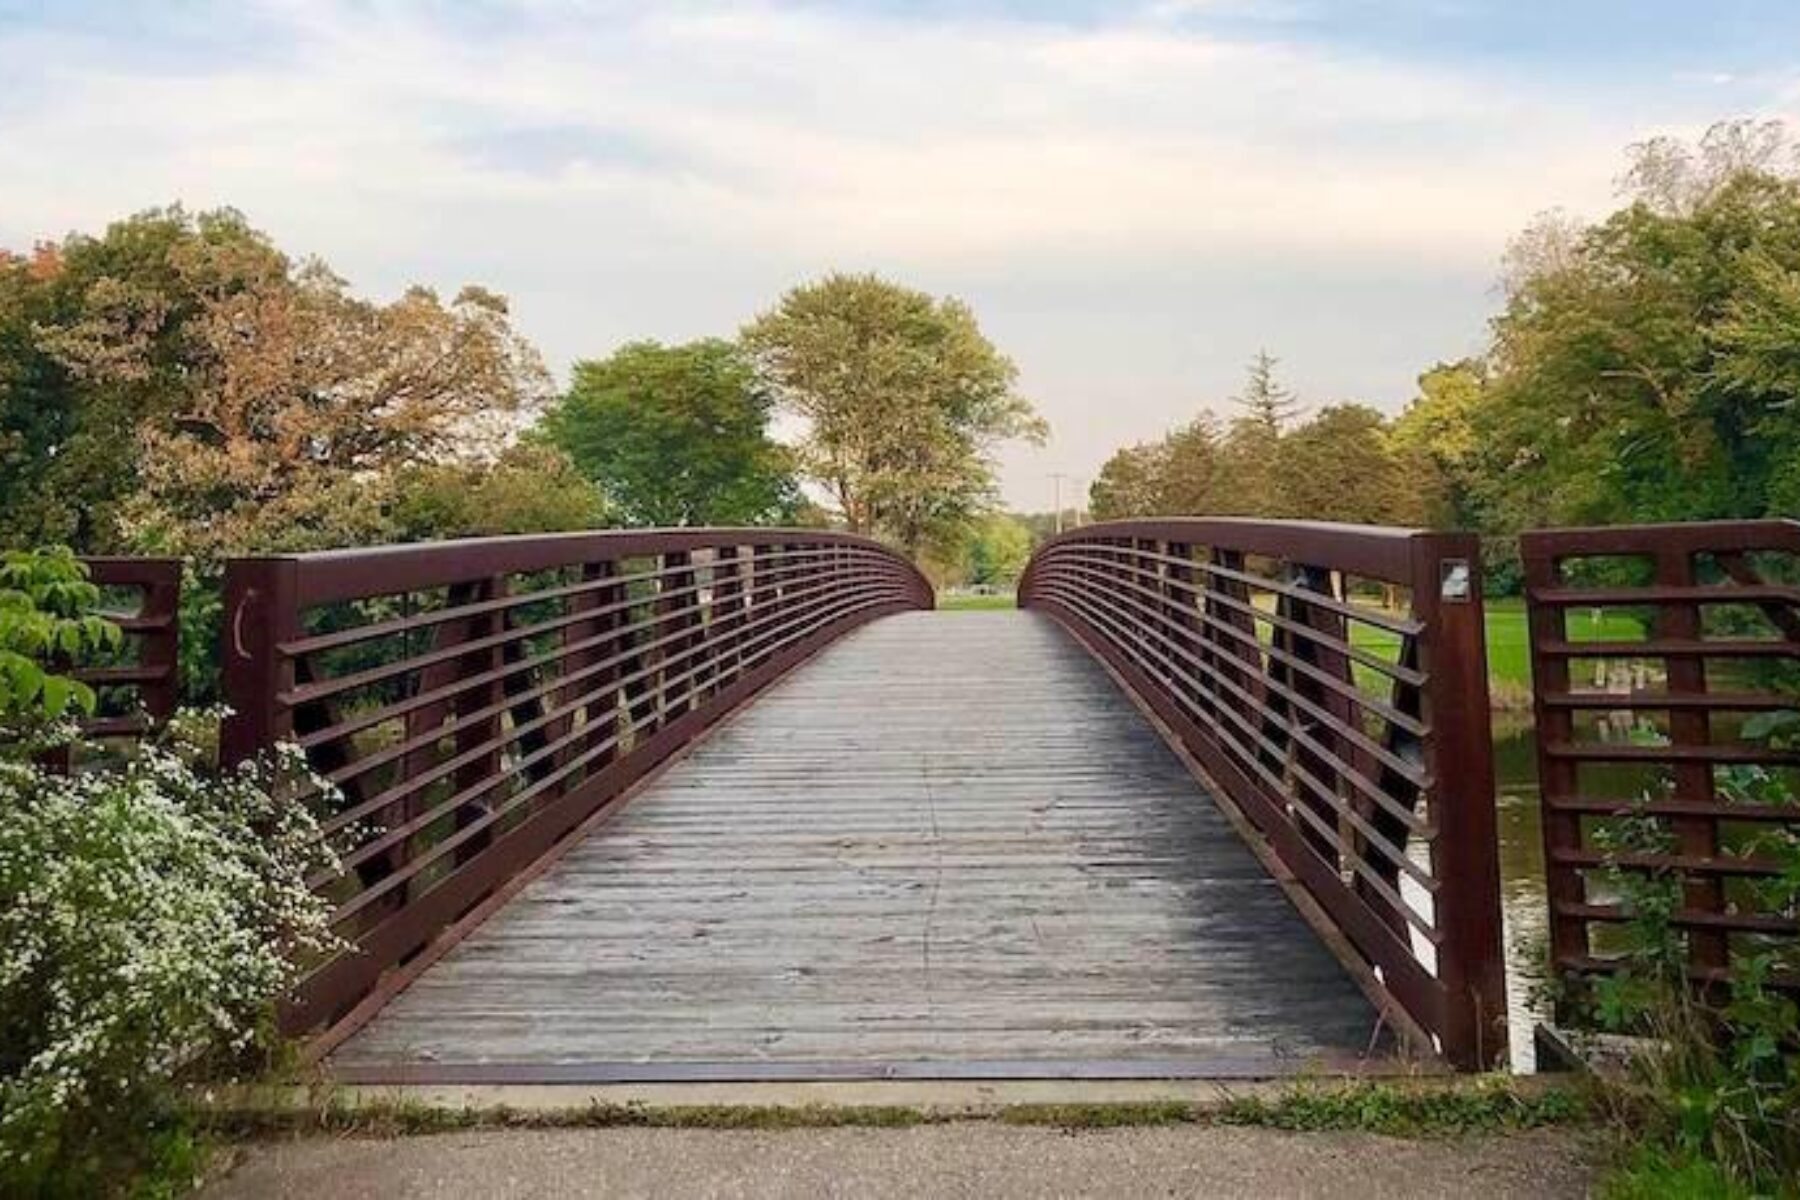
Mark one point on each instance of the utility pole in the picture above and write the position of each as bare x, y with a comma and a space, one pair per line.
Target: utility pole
1057, 478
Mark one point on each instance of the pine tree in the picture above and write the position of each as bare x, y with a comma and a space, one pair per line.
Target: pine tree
1265, 402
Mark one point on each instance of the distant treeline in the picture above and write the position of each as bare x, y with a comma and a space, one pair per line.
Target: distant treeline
1645, 367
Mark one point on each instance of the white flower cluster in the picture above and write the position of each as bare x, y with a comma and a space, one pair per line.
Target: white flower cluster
150, 915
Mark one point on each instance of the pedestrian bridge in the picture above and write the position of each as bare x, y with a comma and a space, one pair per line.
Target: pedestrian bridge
737, 804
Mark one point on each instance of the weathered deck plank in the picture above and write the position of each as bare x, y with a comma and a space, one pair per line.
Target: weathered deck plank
948, 839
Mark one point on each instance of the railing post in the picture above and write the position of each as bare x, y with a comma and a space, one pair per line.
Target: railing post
162, 605
1708, 949
262, 612
1556, 776
1459, 758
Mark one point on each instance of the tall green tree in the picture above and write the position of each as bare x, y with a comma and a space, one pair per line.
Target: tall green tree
1342, 465
903, 398
998, 547
1266, 405
1194, 472
676, 435
1436, 442
1130, 483
1642, 369
1252, 449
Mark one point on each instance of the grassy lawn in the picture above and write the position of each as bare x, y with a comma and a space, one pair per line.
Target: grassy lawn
975, 603
1508, 640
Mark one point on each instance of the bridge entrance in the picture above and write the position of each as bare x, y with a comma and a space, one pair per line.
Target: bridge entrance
1221, 793
949, 845
736, 802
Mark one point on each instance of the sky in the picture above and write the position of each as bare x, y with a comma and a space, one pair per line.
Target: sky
1134, 197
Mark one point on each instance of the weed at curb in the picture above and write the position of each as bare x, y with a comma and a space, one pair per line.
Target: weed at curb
1486, 1107
1407, 1112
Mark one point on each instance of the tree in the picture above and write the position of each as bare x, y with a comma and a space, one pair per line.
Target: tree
1342, 466
1252, 447
1639, 375
94, 345
903, 398
1130, 483
1194, 476
1345, 464
306, 402
181, 386
1435, 441
997, 550
529, 488
676, 435
1268, 407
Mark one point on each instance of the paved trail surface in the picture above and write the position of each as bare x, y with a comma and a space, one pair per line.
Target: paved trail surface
962, 1160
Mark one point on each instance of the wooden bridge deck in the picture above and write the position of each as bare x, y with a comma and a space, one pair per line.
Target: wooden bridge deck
947, 846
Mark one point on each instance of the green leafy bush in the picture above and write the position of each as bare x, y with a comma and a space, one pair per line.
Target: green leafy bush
46, 619
1714, 1093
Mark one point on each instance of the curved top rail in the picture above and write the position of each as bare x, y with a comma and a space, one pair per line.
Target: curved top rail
326, 576
1377, 551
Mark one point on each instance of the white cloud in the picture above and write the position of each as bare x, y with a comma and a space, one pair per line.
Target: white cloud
664, 170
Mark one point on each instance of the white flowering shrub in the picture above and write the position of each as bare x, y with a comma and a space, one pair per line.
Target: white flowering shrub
150, 915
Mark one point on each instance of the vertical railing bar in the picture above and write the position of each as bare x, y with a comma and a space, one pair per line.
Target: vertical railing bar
1708, 949
1557, 777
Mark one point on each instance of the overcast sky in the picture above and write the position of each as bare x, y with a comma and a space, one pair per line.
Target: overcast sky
1134, 197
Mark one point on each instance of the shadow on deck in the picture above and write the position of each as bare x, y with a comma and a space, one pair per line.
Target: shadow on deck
949, 846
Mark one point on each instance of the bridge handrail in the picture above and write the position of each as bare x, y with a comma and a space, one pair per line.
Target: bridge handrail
1331, 680
137, 688
476, 701
1679, 576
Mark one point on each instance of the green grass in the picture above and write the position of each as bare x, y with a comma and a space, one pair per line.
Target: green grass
1508, 644
975, 603
1429, 1109
1508, 639
1491, 1105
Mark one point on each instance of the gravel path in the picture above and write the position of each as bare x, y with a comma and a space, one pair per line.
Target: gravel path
973, 1160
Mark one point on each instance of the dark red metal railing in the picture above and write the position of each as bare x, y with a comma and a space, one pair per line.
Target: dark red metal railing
473, 702
1331, 680
139, 687
1652, 647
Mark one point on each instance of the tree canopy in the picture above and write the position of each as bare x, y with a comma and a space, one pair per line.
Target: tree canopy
180, 386
1644, 367
904, 402
676, 435
1345, 463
